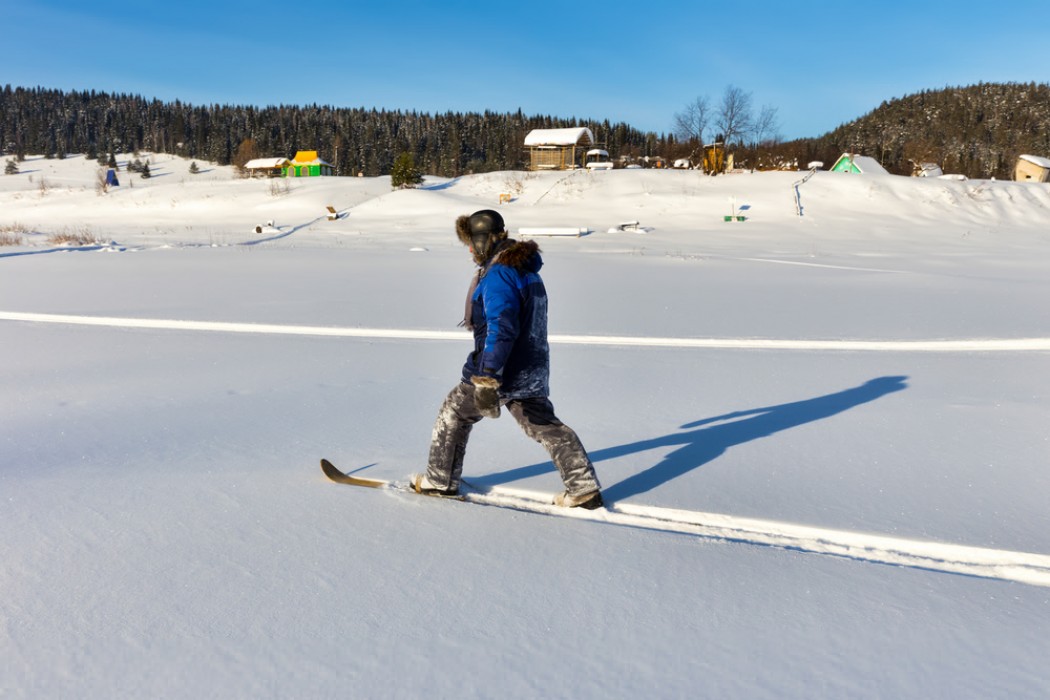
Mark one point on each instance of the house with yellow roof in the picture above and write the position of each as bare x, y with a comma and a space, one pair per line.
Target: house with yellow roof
307, 164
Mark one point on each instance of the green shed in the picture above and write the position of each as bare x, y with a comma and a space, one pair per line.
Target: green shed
307, 164
860, 165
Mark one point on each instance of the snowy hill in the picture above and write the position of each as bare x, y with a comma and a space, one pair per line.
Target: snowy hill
874, 369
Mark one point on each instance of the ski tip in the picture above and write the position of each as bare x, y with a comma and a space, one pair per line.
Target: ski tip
337, 475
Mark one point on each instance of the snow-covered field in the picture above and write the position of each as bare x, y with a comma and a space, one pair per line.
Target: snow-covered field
877, 369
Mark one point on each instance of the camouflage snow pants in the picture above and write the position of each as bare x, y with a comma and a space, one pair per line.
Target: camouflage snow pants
536, 417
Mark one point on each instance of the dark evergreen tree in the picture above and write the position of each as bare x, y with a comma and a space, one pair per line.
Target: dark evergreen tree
404, 173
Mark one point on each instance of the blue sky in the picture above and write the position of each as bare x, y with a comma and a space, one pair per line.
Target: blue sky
820, 63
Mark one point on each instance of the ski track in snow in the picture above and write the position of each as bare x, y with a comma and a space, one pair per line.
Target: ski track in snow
801, 263
1021, 567
969, 345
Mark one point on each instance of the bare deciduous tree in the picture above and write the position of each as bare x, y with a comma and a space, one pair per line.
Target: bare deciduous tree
692, 121
733, 117
766, 128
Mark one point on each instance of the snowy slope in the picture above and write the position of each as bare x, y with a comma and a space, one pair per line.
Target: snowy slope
167, 532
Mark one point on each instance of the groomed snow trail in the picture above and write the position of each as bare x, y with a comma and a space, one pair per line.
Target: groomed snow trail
968, 345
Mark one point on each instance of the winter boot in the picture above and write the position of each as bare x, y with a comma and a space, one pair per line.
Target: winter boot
422, 485
589, 501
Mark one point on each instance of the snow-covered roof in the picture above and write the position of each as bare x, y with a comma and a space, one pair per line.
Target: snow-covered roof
868, 165
864, 164
559, 137
1037, 160
265, 163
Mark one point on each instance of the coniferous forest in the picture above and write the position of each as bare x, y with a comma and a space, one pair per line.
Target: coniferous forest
368, 141
977, 131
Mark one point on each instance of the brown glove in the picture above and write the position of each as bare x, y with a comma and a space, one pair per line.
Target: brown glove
486, 395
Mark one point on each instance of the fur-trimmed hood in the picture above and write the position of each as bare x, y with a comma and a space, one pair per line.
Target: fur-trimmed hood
521, 255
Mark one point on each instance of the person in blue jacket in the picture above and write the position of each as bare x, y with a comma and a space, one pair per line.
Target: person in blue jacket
506, 309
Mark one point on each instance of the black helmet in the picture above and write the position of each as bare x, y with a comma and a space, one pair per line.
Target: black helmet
486, 221
484, 230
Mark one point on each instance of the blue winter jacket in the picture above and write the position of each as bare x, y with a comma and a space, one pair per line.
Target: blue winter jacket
509, 315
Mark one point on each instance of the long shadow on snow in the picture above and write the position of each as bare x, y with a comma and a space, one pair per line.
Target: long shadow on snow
441, 185
705, 441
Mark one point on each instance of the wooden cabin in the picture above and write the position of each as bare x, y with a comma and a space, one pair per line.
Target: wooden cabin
558, 149
266, 167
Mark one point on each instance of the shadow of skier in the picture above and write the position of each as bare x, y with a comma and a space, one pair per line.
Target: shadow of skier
709, 438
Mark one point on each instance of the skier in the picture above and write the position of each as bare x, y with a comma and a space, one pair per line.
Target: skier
506, 309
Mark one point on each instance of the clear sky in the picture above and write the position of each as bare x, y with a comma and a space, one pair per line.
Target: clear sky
820, 63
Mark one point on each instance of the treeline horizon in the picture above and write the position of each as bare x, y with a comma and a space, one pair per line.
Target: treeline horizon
352, 140
977, 131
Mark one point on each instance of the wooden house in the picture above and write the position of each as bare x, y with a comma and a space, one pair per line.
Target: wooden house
558, 149
307, 164
266, 167
1032, 169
